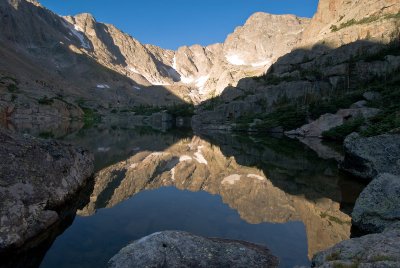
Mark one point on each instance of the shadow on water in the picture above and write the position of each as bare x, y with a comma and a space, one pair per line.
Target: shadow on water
33, 252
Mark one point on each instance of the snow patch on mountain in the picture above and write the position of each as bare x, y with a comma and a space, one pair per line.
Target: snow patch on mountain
235, 59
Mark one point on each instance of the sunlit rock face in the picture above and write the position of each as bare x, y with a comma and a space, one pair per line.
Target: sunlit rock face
366, 20
307, 191
204, 71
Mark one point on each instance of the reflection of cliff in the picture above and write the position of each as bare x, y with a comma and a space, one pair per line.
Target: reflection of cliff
312, 196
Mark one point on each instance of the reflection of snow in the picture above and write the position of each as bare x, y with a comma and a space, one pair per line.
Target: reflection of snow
199, 156
235, 59
103, 149
133, 70
254, 176
133, 165
103, 86
173, 174
185, 158
231, 179
136, 87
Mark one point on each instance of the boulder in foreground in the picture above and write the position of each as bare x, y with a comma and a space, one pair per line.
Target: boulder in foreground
368, 157
374, 250
37, 180
181, 249
378, 205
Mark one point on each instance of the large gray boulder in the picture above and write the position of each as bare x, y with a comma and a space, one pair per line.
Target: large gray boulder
37, 179
378, 205
367, 157
328, 121
181, 249
373, 251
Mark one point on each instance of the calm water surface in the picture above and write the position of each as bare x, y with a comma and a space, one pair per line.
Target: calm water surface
270, 191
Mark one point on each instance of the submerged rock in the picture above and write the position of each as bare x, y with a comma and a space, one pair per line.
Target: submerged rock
367, 157
374, 250
37, 179
378, 205
181, 249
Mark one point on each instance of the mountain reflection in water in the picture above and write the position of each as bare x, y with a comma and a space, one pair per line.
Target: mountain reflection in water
267, 190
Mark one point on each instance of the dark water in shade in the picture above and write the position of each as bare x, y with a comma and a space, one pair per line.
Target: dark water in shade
301, 206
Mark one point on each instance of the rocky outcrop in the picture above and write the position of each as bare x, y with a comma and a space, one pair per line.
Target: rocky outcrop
378, 205
37, 180
375, 250
329, 121
339, 22
368, 157
181, 249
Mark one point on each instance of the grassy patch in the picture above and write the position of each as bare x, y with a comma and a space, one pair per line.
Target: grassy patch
389, 118
379, 258
46, 135
271, 79
185, 110
342, 265
339, 133
90, 117
334, 219
370, 19
288, 117
12, 88
333, 257
335, 28
45, 101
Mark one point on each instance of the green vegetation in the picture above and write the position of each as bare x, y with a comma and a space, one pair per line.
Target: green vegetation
213, 102
339, 133
46, 101
185, 110
333, 257
275, 80
379, 258
46, 135
372, 18
90, 117
288, 117
389, 118
342, 265
12, 88
334, 219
